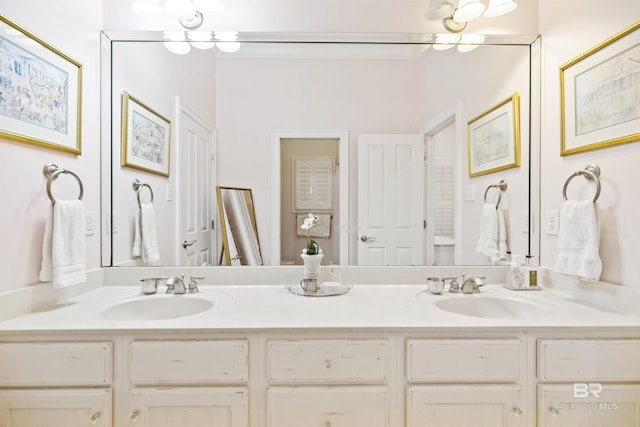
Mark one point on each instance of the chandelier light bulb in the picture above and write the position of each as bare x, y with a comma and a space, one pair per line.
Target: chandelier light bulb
213, 7
500, 7
468, 10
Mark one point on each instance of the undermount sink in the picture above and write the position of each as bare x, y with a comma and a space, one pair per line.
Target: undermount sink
159, 307
493, 307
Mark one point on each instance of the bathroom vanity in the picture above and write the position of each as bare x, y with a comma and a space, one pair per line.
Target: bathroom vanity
381, 355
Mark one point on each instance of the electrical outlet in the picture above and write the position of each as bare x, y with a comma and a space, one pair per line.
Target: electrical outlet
90, 229
553, 223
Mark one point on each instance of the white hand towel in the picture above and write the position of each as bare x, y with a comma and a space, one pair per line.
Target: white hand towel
489, 230
145, 241
502, 235
579, 240
64, 252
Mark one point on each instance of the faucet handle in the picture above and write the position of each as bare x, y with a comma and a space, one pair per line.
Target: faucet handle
193, 285
454, 287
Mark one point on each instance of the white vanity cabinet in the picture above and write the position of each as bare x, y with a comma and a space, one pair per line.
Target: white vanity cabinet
588, 382
328, 382
188, 383
460, 381
56, 383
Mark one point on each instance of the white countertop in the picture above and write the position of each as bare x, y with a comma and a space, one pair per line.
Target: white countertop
273, 307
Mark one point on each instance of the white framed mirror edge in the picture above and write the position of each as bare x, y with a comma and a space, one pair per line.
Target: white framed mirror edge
342, 135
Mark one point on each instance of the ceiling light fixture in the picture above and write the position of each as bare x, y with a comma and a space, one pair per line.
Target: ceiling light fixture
191, 22
499, 8
455, 19
468, 10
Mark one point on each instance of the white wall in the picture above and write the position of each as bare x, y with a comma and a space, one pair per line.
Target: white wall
569, 28
23, 199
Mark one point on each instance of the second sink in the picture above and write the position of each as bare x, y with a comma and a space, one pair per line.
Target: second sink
492, 307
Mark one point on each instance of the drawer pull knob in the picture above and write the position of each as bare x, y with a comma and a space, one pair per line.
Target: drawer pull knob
134, 415
327, 424
327, 365
517, 410
94, 417
554, 411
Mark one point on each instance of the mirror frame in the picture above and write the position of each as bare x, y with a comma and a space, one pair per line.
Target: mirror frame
107, 38
226, 227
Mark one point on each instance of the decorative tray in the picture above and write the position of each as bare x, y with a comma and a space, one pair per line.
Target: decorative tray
325, 289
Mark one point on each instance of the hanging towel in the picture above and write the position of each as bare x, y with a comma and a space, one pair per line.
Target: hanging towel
489, 230
323, 229
145, 241
579, 240
64, 253
502, 235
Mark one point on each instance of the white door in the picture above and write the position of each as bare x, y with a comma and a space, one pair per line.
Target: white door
196, 190
390, 199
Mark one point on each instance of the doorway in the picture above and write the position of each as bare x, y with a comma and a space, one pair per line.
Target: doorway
441, 181
286, 244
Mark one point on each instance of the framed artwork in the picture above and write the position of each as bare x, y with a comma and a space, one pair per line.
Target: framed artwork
146, 137
599, 92
494, 138
40, 91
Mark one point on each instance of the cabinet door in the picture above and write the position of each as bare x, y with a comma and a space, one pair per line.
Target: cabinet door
55, 408
589, 405
343, 406
465, 405
189, 407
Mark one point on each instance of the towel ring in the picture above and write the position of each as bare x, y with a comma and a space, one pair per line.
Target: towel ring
501, 186
591, 173
52, 171
137, 186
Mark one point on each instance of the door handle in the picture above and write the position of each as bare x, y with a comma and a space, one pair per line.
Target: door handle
186, 244
366, 238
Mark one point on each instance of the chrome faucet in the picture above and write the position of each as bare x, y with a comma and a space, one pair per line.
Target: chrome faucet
175, 285
472, 285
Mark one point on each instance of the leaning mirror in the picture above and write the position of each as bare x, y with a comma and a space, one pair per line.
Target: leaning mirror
243, 117
240, 244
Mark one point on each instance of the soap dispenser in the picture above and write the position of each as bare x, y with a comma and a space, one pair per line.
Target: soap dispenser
530, 274
515, 278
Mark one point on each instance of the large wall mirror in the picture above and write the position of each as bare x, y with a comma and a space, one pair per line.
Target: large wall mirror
248, 114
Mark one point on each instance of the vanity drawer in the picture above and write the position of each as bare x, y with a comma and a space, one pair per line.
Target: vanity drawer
464, 360
350, 361
339, 406
189, 362
585, 360
56, 363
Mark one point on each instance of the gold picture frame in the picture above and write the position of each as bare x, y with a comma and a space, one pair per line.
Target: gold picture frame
146, 137
494, 138
596, 110
40, 91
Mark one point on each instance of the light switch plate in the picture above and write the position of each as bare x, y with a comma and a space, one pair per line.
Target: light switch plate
469, 192
524, 227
